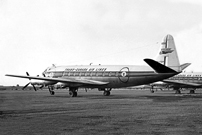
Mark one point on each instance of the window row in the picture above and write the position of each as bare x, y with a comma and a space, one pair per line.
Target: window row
60, 74
186, 78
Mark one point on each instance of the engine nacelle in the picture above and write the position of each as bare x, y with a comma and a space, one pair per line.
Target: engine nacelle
42, 83
60, 85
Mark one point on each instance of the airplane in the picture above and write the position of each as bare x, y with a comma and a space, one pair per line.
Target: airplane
188, 80
103, 77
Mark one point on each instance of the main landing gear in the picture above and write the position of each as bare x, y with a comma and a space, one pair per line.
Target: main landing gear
52, 92
106, 91
177, 90
192, 91
73, 92
50, 88
152, 89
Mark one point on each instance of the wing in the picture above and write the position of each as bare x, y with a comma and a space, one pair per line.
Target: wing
182, 83
63, 80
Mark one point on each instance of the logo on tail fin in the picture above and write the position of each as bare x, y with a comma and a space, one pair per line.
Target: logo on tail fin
166, 50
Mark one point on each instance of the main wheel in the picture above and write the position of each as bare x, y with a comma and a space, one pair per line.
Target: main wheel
52, 92
73, 93
152, 91
177, 92
106, 93
192, 91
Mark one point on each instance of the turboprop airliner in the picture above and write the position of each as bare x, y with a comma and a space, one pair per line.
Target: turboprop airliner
103, 77
189, 80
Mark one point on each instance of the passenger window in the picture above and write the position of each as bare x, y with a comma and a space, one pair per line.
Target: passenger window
76, 74
110, 73
82, 73
93, 73
113, 74
106, 73
99, 73
87, 74
65, 73
71, 74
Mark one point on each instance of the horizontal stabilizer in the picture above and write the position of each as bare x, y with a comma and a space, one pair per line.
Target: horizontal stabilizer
159, 68
183, 66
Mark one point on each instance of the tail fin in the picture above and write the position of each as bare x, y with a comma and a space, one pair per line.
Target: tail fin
167, 54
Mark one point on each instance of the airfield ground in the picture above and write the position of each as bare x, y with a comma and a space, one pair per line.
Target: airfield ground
124, 112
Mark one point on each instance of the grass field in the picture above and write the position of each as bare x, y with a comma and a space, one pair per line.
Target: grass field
124, 112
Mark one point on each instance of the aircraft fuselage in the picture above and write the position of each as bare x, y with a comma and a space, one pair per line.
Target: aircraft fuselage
116, 76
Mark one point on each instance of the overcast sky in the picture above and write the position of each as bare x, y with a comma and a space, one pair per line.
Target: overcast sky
34, 34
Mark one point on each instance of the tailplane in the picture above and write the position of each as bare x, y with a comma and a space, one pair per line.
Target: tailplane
159, 68
168, 56
183, 66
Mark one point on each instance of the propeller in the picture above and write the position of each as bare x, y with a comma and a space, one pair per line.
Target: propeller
29, 83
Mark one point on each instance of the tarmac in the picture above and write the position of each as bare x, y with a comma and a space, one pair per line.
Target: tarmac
129, 112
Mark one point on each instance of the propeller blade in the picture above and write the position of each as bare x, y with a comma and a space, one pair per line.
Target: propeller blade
29, 83
49, 88
25, 86
27, 73
34, 87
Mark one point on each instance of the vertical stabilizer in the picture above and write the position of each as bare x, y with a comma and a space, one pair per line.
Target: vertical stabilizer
167, 54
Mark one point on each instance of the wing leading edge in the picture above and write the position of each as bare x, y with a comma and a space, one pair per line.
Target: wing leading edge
63, 80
